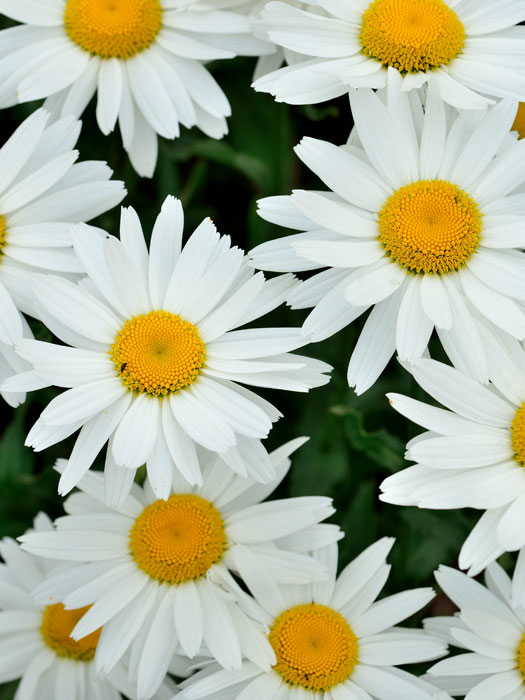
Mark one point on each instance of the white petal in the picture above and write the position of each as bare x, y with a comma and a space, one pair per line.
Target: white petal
136, 433
189, 621
109, 94
414, 327
462, 394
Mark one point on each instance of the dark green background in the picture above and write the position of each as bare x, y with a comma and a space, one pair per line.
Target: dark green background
355, 441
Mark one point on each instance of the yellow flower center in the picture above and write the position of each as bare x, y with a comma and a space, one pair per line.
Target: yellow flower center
411, 35
57, 625
518, 435
3, 234
179, 539
158, 353
430, 226
519, 122
315, 647
520, 657
113, 28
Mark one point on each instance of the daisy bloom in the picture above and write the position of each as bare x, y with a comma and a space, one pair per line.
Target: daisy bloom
473, 455
143, 58
157, 572
331, 640
421, 224
156, 360
490, 626
35, 638
467, 51
42, 189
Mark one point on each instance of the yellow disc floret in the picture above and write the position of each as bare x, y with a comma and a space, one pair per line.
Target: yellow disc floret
520, 657
518, 435
315, 647
113, 28
178, 540
519, 122
430, 226
3, 232
158, 353
57, 625
411, 35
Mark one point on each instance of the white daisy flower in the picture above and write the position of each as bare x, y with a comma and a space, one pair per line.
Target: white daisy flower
156, 360
42, 189
35, 638
490, 626
419, 225
157, 572
466, 50
331, 640
473, 455
143, 58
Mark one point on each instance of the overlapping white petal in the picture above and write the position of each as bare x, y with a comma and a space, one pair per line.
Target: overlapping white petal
381, 645
42, 191
323, 47
152, 618
147, 94
25, 653
490, 626
210, 284
468, 458
397, 142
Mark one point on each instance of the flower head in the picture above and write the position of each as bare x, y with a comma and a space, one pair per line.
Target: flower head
36, 641
158, 572
490, 626
144, 59
42, 191
157, 357
418, 226
473, 455
466, 52
331, 640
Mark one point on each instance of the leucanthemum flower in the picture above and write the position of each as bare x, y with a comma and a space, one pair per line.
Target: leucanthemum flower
156, 360
42, 189
35, 638
331, 640
143, 58
157, 572
465, 50
490, 626
473, 455
421, 225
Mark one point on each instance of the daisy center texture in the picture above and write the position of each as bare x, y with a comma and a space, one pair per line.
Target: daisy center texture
3, 232
519, 122
411, 35
57, 625
315, 647
178, 540
518, 435
520, 657
158, 353
430, 226
113, 28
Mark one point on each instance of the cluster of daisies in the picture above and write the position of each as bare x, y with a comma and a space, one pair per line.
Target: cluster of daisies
191, 572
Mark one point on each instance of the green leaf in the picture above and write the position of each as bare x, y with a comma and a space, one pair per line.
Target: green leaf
7, 692
321, 464
383, 448
15, 459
